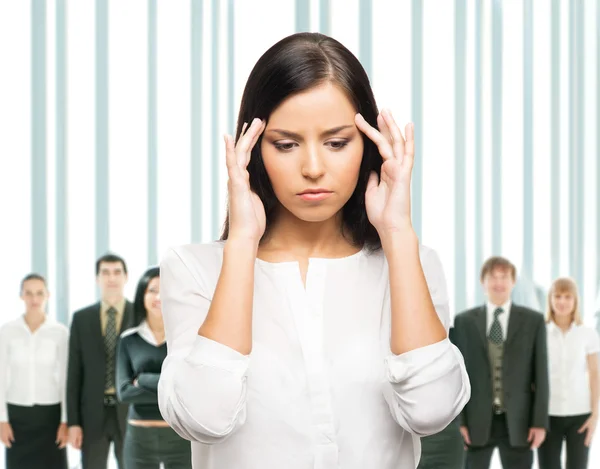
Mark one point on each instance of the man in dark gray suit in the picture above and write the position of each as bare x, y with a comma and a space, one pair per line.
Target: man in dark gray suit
95, 417
504, 347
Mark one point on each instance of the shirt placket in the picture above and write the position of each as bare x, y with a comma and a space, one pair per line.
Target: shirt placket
309, 319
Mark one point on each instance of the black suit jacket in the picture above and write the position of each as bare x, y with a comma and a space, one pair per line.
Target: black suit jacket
85, 376
525, 373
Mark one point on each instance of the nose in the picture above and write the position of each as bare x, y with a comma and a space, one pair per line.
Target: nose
312, 164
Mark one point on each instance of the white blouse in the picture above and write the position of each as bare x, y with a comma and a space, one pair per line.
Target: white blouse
569, 377
320, 389
33, 365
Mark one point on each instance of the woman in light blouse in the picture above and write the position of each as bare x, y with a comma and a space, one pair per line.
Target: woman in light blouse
314, 334
574, 380
33, 363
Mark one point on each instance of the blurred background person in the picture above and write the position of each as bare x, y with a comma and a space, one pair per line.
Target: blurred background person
504, 346
573, 360
33, 362
95, 417
149, 441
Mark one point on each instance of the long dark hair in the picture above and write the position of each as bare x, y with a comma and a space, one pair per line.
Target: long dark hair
139, 308
295, 64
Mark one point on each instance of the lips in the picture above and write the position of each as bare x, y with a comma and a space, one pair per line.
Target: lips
313, 195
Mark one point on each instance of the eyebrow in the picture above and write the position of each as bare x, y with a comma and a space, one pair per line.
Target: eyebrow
326, 133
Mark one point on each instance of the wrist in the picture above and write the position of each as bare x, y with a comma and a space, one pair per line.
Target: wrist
404, 241
241, 247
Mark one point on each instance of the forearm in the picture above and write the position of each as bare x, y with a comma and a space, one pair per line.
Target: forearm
229, 318
415, 322
594, 390
148, 381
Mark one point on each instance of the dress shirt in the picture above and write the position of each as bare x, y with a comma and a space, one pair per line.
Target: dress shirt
119, 307
321, 388
120, 311
567, 360
33, 365
503, 318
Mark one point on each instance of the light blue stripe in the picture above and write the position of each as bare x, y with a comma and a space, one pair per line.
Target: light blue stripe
555, 136
497, 127
62, 251
478, 113
196, 121
102, 172
325, 17
302, 15
152, 137
39, 215
528, 228
460, 150
231, 65
417, 111
576, 133
216, 140
365, 28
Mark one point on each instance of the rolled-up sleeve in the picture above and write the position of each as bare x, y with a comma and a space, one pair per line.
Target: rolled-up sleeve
429, 386
202, 387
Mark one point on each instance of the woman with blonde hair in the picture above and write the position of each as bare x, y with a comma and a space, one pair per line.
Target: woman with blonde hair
574, 380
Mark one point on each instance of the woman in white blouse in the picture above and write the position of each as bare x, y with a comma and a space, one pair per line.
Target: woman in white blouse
33, 363
314, 335
574, 380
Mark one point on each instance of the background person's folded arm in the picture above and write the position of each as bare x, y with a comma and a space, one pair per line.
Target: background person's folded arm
127, 392
148, 381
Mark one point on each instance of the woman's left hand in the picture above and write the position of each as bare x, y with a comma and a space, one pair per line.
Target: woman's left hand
62, 436
589, 427
388, 198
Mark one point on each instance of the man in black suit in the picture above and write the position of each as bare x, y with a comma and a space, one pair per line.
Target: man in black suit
504, 347
94, 415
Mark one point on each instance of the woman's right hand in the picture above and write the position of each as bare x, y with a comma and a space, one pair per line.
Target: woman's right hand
6, 434
247, 218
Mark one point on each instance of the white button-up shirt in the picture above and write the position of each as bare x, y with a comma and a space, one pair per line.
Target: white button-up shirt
33, 365
567, 361
321, 388
503, 318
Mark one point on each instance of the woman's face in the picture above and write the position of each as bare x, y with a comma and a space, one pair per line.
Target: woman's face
312, 152
35, 296
152, 298
563, 303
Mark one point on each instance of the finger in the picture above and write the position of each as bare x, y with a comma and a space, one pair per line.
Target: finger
530, 436
397, 138
259, 132
373, 181
582, 429
383, 128
409, 147
243, 144
384, 147
230, 158
244, 127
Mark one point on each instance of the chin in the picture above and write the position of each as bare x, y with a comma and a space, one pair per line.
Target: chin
315, 214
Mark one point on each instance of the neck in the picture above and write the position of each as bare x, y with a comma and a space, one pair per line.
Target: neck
307, 239
112, 300
155, 324
563, 322
35, 317
498, 302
